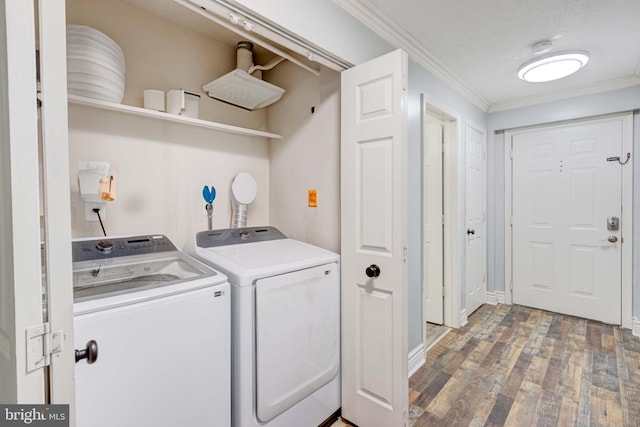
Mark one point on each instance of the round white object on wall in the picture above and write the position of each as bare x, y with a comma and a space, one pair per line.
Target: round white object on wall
243, 188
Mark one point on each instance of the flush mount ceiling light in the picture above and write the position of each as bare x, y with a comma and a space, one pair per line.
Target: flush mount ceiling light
553, 66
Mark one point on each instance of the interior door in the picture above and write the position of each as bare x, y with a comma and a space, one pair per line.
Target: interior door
564, 190
475, 208
433, 251
20, 279
22, 216
373, 211
55, 196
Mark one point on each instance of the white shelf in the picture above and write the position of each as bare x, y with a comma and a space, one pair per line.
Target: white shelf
158, 115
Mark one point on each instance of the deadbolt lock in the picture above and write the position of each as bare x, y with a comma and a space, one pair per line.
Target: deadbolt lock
613, 223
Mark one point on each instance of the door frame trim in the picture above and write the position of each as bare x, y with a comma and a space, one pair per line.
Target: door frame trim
451, 182
627, 211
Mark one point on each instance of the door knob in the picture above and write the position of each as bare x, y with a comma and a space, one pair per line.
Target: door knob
372, 271
612, 238
90, 352
471, 231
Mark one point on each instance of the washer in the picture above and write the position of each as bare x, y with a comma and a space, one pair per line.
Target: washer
156, 325
285, 322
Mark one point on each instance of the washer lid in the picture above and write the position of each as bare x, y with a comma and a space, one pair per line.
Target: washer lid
244, 263
133, 265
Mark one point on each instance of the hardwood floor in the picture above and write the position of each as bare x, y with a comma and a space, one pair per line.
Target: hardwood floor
517, 366
434, 334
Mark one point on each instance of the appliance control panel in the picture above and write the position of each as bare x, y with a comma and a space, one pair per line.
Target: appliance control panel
237, 236
107, 247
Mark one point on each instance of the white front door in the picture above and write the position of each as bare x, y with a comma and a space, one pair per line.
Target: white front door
475, 272
374, 270
564, 190
433, 251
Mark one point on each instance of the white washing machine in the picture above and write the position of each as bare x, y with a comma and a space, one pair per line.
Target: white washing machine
152, 335
285, 317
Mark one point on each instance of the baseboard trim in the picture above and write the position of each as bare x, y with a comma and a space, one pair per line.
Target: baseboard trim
636, 327
491, 298
496, 297
463, 317
417, 358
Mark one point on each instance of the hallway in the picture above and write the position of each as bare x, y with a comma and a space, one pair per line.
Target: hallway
517, 366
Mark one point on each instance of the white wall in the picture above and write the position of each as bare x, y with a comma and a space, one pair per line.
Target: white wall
423, 82
161, 168
308, 157
627, 99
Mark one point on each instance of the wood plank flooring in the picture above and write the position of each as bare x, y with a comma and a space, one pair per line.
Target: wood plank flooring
517, 366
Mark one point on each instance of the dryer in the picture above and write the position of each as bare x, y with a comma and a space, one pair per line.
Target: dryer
285, 322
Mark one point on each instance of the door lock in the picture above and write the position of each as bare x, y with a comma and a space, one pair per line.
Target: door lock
613, 223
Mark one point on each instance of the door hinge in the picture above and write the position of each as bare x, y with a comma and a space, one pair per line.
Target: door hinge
405, 417
41, 345
511, 154
404, 254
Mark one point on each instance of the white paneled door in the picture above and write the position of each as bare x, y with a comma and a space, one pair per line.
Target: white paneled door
433, 251
20, 276
475, 208
374, 279
32, 371
565, 259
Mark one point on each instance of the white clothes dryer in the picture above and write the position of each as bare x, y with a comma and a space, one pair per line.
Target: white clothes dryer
285, 323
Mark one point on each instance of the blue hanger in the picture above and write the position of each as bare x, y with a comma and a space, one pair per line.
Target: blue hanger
209, 194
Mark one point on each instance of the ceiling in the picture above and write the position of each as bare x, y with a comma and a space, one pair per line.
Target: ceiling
477, 46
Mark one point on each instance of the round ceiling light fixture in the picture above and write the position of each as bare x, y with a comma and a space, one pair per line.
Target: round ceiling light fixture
553, 66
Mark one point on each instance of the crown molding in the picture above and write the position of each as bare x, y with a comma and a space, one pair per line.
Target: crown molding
390, 31
620, 83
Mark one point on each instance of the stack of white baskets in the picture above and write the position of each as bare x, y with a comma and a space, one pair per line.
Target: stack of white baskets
95, 64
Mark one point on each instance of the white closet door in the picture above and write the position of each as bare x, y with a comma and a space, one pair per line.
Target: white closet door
20, 274
373, 205
564, 189
475, 208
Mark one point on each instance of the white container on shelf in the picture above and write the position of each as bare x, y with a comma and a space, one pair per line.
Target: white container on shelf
154, 99
183, 103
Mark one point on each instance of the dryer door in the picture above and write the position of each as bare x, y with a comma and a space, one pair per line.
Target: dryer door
297, 336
